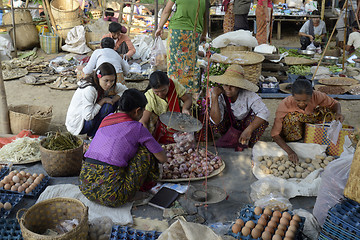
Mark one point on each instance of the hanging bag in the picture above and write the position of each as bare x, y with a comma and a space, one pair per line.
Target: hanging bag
317, 133
49, 41
231, 138
158, 56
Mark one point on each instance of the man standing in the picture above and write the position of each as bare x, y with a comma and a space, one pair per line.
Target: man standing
241, 11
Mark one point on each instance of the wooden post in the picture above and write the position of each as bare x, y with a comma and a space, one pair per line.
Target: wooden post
156, 16
120, 19
4, 111
26, 3
322, 9
13, 23
345, 31
131, 15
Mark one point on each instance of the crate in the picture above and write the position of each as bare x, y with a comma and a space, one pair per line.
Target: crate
121, 232
10, 229
34, 193
13, 199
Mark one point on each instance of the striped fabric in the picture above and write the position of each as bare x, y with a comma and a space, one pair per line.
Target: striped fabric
49, 42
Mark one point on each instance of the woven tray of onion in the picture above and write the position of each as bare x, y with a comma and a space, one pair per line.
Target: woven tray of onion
187, 163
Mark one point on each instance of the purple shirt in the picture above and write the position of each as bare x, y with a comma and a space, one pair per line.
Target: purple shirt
117, 144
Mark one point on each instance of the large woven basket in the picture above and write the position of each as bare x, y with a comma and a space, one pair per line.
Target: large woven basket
62, 163
250, 61
26, 117
49, 213
231, 48
352, 189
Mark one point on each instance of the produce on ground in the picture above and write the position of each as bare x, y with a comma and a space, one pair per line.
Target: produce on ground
21, 181
282, 167
189, 163
61, 141
301, 70
332, 89
293, 53
270, 225
21, 149
334, 68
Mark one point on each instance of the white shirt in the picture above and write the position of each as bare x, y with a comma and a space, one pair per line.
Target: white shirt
354, 40
319, 30
245, 102
109, 55
83, 106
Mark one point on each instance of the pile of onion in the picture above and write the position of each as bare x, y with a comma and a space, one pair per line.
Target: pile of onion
189, 163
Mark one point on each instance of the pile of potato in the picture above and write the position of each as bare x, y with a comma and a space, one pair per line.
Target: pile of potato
282, 167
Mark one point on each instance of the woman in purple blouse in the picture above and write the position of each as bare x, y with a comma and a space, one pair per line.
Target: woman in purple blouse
123, 156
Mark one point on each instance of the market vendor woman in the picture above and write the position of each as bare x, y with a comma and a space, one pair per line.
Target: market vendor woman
122, 156
236, 104
164, 95
303, 106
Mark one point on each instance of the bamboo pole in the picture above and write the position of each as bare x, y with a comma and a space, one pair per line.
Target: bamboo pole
156, 16
345, 31
4, 116
322, 9
327, 45
13, 22
356, 16
26, 3
131, 16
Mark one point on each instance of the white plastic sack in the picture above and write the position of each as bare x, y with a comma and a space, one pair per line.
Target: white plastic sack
158, 55
334, 131
6, 46
75, 41
143, 45
333, 183
237, 38
289, 188
265, 48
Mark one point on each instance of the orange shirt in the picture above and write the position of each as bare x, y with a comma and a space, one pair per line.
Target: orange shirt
289, 105
123, 38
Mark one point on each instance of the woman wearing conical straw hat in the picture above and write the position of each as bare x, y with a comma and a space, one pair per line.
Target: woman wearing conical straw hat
237, 112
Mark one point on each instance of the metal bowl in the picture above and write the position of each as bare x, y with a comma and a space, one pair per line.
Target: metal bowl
330, 59
306, 53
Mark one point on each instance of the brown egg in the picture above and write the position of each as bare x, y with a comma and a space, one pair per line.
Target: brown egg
290, 234
28, 175
41, 175
23, 173
34, 185
280, 232
15, 171
288, 238
7, 179
266, 236
282, 227
275, 219
270, 230
260, 227
256, 233
258, 210
277, 214
294, 223
28, 190
250, 224
7, 186
14, 188
296, 218
265, 216
286, 215
37, 181
21, 189
7, 206
284, 221
25, 185
3, 181
292, 228
240, 222
35, 175
245, 231
11, 174
17, 184
276, 237
272, 224
262, 221
19, 175
267, 211
236, 228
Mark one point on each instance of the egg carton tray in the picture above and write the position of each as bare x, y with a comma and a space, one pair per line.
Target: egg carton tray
322, 236
247, 214
34, 193
338, 232
127, 233
10, 229
346, 215
3, 172
12, 198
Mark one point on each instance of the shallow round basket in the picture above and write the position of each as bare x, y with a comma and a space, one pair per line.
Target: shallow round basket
62, 163
250, 61
25, 117
233, 48
49, 213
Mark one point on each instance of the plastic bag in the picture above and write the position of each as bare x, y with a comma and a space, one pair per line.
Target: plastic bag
311, 47
135, 68
184, 141
100, 228
75, 41
66, 226
276, 202
334, 131
158, 55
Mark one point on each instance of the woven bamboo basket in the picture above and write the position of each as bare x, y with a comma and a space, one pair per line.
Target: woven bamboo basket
352, 189
234, 48
49, 213
96, 14
250, 61
26, 117
62, 163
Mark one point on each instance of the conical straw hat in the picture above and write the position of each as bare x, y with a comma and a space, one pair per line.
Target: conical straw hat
234, 76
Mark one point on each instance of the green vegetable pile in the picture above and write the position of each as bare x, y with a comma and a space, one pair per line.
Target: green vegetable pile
61, 141
334, 68
293, 53
218, 69
300, 70
318, 39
